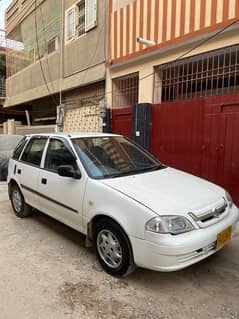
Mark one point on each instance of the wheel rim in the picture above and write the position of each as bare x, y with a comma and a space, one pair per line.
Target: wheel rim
109, 248
17, 200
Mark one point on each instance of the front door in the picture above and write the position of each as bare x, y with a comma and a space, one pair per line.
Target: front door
61, 197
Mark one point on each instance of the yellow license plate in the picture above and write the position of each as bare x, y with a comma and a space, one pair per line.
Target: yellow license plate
224, 237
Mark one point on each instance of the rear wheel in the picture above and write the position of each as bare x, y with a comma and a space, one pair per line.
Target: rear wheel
20, 208
113, 248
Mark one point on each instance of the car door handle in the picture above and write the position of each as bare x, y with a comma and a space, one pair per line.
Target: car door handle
44, 181
19, 171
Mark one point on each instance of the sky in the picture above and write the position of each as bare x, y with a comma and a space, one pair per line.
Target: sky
3, 5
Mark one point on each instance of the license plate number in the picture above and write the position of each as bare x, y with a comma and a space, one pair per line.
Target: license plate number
224, 236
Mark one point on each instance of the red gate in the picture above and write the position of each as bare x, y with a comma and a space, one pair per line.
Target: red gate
122, 121
199, 136
175, 134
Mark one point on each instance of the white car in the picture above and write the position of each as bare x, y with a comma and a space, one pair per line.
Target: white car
131, 207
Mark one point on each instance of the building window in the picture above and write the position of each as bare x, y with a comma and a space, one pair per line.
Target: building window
80, 18
70, 24
90, 14
125, 90
2, 86
207, 74
52, 45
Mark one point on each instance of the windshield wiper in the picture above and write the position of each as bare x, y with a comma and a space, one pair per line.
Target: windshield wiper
156, 167
137, 171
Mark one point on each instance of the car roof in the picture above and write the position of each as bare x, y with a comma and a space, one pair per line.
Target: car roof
74, 134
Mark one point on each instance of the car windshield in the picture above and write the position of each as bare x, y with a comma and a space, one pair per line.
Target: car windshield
113, 156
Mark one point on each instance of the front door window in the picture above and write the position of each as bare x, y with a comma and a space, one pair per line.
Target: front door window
57, 155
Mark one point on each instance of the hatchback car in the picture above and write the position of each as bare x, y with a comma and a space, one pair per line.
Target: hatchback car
131, 207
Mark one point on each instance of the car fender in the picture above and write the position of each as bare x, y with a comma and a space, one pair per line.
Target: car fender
101, 199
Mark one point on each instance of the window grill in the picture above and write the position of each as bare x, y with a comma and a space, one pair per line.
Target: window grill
81, 18
52, 45
2, 87
125, 90
208, 74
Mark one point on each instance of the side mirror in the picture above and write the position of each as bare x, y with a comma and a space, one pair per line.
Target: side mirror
68, 171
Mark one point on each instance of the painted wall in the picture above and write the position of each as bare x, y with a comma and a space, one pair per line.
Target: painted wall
84, 60
16, 12
145, 63
176, 26
117, 4
89, 49
167, 22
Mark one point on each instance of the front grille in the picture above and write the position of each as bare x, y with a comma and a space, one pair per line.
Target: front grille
211, 216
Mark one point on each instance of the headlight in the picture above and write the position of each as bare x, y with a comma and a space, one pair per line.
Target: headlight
229, 199
169, 224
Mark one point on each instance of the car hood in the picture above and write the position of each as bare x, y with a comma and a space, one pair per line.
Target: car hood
169, 191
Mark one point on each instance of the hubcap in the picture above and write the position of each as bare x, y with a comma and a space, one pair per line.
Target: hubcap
17, 200
109, 248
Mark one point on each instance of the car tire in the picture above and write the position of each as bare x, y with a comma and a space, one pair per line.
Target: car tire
113, 249
20, 208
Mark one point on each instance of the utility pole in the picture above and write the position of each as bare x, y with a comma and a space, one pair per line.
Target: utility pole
61, 107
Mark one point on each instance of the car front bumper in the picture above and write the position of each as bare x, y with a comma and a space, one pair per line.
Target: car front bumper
165, 252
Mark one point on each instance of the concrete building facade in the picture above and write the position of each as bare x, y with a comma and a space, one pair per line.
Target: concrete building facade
179, 29
61, 47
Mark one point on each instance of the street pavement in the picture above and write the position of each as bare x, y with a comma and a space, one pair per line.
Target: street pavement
3, 192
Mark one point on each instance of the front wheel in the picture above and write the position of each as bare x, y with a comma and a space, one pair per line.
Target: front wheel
20, 208
113, 248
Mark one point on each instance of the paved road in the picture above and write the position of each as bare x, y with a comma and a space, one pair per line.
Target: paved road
46, 273
3, 192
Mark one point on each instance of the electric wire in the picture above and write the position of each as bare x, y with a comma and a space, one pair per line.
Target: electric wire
45, 42
40, 61
197, 46
181, 55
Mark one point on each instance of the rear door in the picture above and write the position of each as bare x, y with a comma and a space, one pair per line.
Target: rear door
28, 168
61, 197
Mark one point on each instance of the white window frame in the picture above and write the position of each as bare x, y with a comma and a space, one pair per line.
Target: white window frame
89, 23
67, 12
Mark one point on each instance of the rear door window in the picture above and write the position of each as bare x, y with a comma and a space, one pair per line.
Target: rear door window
34, 150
